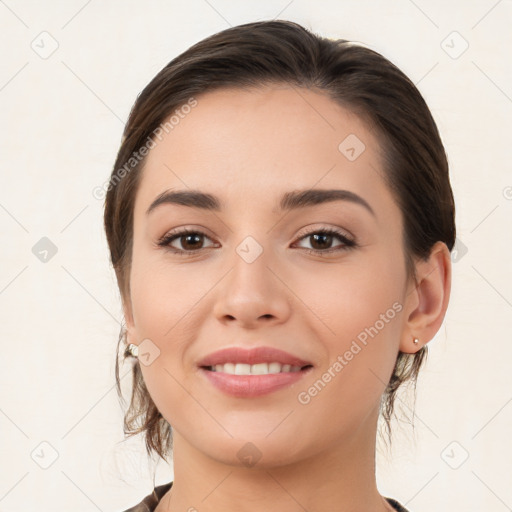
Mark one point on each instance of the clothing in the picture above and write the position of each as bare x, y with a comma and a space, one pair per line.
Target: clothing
149, 503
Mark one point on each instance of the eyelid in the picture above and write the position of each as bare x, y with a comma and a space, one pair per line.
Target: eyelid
175, 234
347, 240
329, 229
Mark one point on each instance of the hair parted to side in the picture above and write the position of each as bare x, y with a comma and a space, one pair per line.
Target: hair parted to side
283, 52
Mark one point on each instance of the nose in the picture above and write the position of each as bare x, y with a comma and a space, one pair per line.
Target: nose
253, 294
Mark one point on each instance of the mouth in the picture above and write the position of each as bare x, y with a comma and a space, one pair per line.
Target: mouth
246, 373
255, 369
252, 358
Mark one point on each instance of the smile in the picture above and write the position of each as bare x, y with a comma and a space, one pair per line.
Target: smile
250, 372
249, 381
254, 369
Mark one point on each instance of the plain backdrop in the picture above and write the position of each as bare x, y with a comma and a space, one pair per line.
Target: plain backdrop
70, 72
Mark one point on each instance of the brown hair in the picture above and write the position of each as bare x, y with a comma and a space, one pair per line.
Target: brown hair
260, 53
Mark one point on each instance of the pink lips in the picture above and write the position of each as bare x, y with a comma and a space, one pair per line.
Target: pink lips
252, 356
245, 386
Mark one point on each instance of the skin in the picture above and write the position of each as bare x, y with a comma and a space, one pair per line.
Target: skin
248, 148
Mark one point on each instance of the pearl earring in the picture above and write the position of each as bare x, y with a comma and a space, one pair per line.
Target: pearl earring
132, 350
416, 341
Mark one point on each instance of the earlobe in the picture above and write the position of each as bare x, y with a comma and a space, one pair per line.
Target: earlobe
427, 301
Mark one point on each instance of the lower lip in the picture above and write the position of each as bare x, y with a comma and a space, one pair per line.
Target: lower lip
246, 386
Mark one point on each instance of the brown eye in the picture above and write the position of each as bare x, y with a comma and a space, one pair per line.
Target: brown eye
321, 241
191, 242
185, 241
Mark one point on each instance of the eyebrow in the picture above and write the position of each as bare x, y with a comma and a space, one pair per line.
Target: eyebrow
289, 201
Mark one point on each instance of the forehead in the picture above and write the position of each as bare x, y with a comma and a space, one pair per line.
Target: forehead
249, 143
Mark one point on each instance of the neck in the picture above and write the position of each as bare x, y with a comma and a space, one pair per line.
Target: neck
341, 478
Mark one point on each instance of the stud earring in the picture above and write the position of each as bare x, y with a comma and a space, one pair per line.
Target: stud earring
416, 341
132, 350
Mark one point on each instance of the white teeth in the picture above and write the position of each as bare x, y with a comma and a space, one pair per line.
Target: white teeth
242, 369
229, 367
254, 369
274, 368
259, 369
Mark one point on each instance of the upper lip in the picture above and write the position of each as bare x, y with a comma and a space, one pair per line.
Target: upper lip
252, 356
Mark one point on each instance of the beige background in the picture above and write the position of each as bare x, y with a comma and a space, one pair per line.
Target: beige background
61, 123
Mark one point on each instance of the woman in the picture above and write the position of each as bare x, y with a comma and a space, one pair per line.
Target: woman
280, 220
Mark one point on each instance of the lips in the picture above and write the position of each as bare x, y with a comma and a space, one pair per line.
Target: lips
252, 356
290, 369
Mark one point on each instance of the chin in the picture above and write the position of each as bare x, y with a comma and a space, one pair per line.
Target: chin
258, 452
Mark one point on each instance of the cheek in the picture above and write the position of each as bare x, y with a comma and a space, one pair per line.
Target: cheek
358, 318
344, 298
163, 294
361, 356
165, 303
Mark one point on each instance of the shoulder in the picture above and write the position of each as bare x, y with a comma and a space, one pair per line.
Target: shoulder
149, 503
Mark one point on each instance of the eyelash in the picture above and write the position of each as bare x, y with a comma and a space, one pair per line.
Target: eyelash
348, 244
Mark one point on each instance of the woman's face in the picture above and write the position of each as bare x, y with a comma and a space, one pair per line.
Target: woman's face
260, 271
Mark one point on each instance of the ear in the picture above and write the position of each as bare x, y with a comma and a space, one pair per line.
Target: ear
427, 299
130, 324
